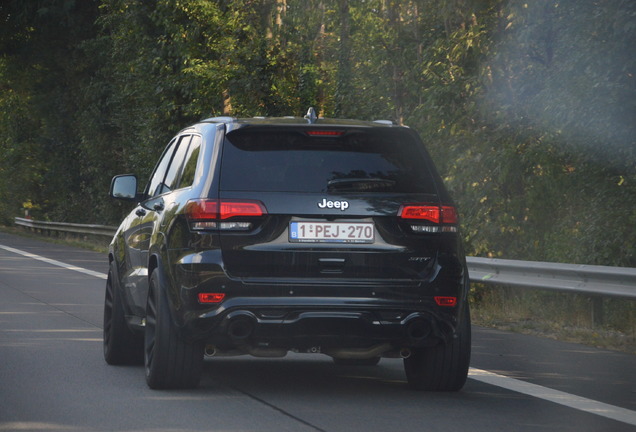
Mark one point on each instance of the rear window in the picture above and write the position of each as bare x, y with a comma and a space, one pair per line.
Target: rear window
357, 161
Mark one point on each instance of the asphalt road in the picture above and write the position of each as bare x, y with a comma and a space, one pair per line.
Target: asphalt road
53, 376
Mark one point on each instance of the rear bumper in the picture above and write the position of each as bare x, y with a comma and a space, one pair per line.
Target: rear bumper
321, 313
305, 324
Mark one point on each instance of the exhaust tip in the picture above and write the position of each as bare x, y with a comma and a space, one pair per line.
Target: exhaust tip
418, 330
240, 327
405, 353
210, 351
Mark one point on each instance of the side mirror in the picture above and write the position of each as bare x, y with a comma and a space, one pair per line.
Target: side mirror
124, 187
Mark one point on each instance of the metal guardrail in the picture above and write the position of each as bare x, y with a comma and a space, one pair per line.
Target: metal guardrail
574, 278
98, 230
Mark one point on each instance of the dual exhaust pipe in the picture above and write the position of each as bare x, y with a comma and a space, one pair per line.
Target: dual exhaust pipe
241, 326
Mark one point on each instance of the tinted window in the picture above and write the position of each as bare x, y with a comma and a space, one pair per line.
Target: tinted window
295, 162
190, 166
172, 177
156, 185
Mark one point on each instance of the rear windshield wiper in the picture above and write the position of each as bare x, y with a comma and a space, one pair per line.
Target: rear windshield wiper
361, 184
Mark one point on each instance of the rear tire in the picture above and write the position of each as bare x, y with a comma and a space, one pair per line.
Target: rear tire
443, 367
121, 345
170, 362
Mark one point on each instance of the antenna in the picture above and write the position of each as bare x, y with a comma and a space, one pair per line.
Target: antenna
311, 115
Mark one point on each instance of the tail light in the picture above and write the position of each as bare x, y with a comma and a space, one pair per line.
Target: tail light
449, 215
205, 214
325, 133
431, 218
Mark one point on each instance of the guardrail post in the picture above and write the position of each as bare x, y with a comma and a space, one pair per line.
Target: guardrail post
597, 311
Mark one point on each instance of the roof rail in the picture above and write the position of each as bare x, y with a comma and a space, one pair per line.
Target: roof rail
222, 119
385, 122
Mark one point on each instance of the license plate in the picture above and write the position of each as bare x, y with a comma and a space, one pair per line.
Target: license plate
331, 232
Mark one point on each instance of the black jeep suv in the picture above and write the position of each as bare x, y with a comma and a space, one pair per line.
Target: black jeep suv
268, 235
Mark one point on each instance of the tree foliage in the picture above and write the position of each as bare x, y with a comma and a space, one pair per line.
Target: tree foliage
528, 108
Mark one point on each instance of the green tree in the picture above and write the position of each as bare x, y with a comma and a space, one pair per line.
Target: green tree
528, 108
41, 74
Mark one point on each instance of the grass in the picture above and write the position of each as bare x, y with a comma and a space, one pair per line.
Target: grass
94, 243
608, 323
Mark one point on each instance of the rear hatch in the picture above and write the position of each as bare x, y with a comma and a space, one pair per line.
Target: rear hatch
310, 204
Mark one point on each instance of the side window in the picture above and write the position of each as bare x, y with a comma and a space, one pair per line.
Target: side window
190, 166
155, 185
172, 177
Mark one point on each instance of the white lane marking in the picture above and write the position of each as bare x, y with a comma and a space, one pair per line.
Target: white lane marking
572, 401
577, 402
54, 262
